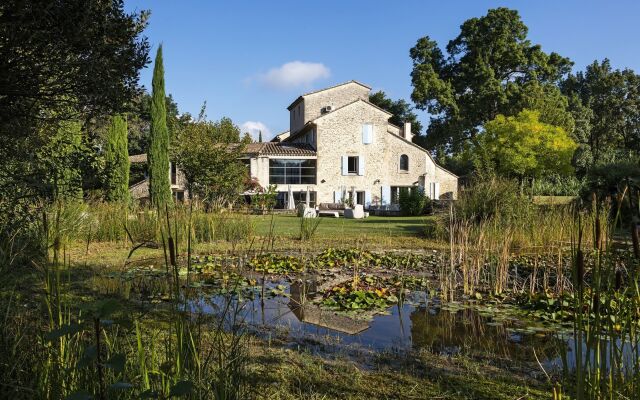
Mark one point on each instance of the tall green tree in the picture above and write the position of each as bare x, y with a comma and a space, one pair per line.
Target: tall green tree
491, 68
60, 61
401, 110
210, 161
62, 158
524, 147
225, 130
158, 156
606, 103
260, 136
139, 122
117, 161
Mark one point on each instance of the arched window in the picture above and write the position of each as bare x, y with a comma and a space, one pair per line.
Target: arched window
404, 162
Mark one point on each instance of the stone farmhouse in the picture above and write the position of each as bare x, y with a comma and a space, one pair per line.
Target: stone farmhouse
140, 189
339, 146
342, 146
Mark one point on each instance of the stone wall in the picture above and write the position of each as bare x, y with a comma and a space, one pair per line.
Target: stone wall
312, 104
340, 134
140, 190
448, 183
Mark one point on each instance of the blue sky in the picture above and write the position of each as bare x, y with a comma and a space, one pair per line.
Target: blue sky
250, 59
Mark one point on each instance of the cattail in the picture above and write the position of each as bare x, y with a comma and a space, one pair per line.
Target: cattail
172, 252
635, 239
598, 229
580, 268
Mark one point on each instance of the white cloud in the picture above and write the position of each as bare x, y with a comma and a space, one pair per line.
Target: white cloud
293, 75
254, 127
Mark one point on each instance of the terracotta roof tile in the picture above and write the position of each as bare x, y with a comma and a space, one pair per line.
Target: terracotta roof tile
280, 149
262, 149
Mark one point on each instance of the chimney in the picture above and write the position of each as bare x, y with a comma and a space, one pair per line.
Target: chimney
406, 131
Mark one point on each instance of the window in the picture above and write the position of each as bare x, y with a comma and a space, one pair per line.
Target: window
298, 197
360, 198
404, 162
282, 171
352, 165
174, 173
398, 191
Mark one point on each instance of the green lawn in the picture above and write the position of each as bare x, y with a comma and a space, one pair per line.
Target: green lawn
374, 233
349, 228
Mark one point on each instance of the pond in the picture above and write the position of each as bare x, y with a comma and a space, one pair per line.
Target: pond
290, 316
289, 311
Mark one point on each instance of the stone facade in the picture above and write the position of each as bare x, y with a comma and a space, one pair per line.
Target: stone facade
140, 190
312, 105
352, 158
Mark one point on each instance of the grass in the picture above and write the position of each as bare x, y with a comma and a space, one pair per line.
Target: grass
300, 375
553, 200
370, 227
376, 233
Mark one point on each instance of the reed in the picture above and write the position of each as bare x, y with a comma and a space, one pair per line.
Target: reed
606, 356
104, 348
308, 227
486, 230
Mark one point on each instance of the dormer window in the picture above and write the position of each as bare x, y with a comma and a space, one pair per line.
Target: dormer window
404, 162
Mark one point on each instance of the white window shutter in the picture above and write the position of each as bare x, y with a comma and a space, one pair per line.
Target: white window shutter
345, 165
337, 196
436, 190
386, 195
367, 133
367, 198
361, 165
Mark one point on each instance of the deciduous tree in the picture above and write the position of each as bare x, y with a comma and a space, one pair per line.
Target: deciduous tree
606, 102
522, 146
210, 161
401, 110
61, 63
491, 68
117, 161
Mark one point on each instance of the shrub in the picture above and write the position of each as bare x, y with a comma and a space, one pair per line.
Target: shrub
437, 228
557, 185
608, 179
413, 202
487, 197
234, 227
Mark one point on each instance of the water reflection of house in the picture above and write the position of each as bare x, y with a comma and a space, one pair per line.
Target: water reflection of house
301, 306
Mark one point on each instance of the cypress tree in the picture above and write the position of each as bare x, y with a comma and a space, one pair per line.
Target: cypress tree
260, 136
158, 156
117, 157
